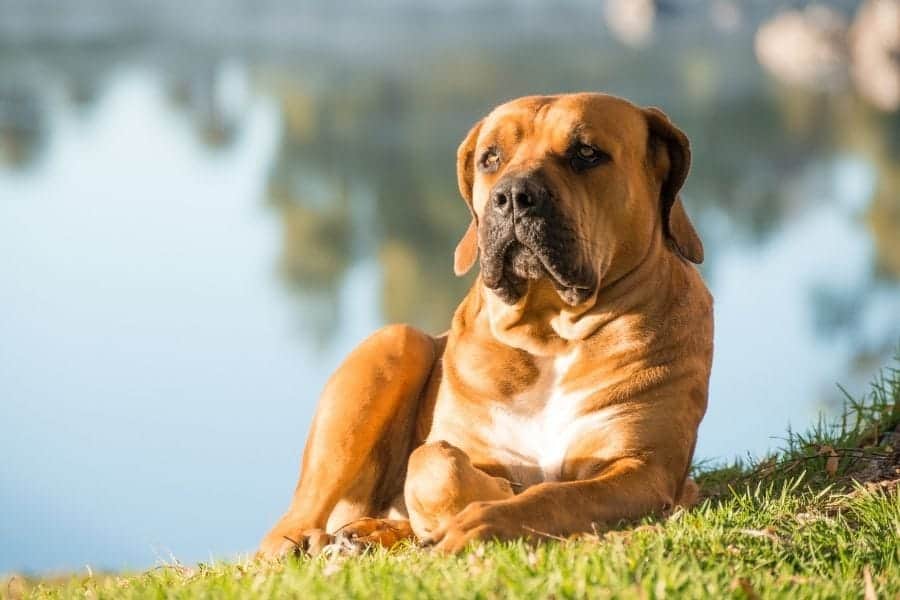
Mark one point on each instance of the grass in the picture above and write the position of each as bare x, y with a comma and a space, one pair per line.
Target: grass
819, 519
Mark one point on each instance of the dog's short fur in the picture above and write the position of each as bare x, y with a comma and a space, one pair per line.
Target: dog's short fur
568, 391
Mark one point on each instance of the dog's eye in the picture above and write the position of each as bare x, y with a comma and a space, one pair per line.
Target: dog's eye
490, 160
585, 156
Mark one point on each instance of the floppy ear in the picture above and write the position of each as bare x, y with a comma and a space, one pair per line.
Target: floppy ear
467, 250
670, 153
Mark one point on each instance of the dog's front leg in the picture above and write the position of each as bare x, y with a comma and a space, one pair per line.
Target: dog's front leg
361, 435
628, 488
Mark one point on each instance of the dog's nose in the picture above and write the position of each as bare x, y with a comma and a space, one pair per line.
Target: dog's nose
518, 196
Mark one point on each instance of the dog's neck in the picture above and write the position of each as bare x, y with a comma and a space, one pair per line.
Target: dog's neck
543, 325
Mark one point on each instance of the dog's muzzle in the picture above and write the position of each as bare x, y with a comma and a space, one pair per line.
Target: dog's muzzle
524, 236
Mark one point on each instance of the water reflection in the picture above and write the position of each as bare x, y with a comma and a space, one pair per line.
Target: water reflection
22, 126
191, 238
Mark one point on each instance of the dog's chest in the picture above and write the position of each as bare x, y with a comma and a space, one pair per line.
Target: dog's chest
531, 433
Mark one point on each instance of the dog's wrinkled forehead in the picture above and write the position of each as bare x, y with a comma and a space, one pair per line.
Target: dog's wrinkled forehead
554, 123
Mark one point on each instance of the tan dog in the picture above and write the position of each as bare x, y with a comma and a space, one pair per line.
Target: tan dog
568, 391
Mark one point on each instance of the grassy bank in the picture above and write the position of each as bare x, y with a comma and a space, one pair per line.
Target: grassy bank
820, 519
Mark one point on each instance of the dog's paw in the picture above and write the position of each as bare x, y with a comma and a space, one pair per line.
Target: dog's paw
376, 532
479, 521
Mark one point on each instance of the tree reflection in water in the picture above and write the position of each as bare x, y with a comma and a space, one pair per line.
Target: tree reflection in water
337, 125
364, 166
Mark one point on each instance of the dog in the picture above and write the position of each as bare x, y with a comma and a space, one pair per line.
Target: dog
567, 393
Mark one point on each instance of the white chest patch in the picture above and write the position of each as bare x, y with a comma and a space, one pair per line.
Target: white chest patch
537, 428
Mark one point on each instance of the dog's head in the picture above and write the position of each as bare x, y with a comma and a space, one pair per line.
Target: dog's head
572, 189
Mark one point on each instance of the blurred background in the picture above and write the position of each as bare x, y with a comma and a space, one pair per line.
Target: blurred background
205, 205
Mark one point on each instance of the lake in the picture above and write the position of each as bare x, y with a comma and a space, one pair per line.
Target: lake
198, 223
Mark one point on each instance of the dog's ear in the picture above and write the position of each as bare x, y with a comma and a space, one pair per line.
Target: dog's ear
670, 155
467, 250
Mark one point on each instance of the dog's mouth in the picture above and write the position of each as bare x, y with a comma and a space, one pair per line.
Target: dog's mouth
530, 253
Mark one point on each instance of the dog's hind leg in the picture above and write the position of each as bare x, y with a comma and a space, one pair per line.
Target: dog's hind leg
441, 482
361, 436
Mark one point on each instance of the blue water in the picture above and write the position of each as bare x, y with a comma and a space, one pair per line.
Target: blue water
159, 368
